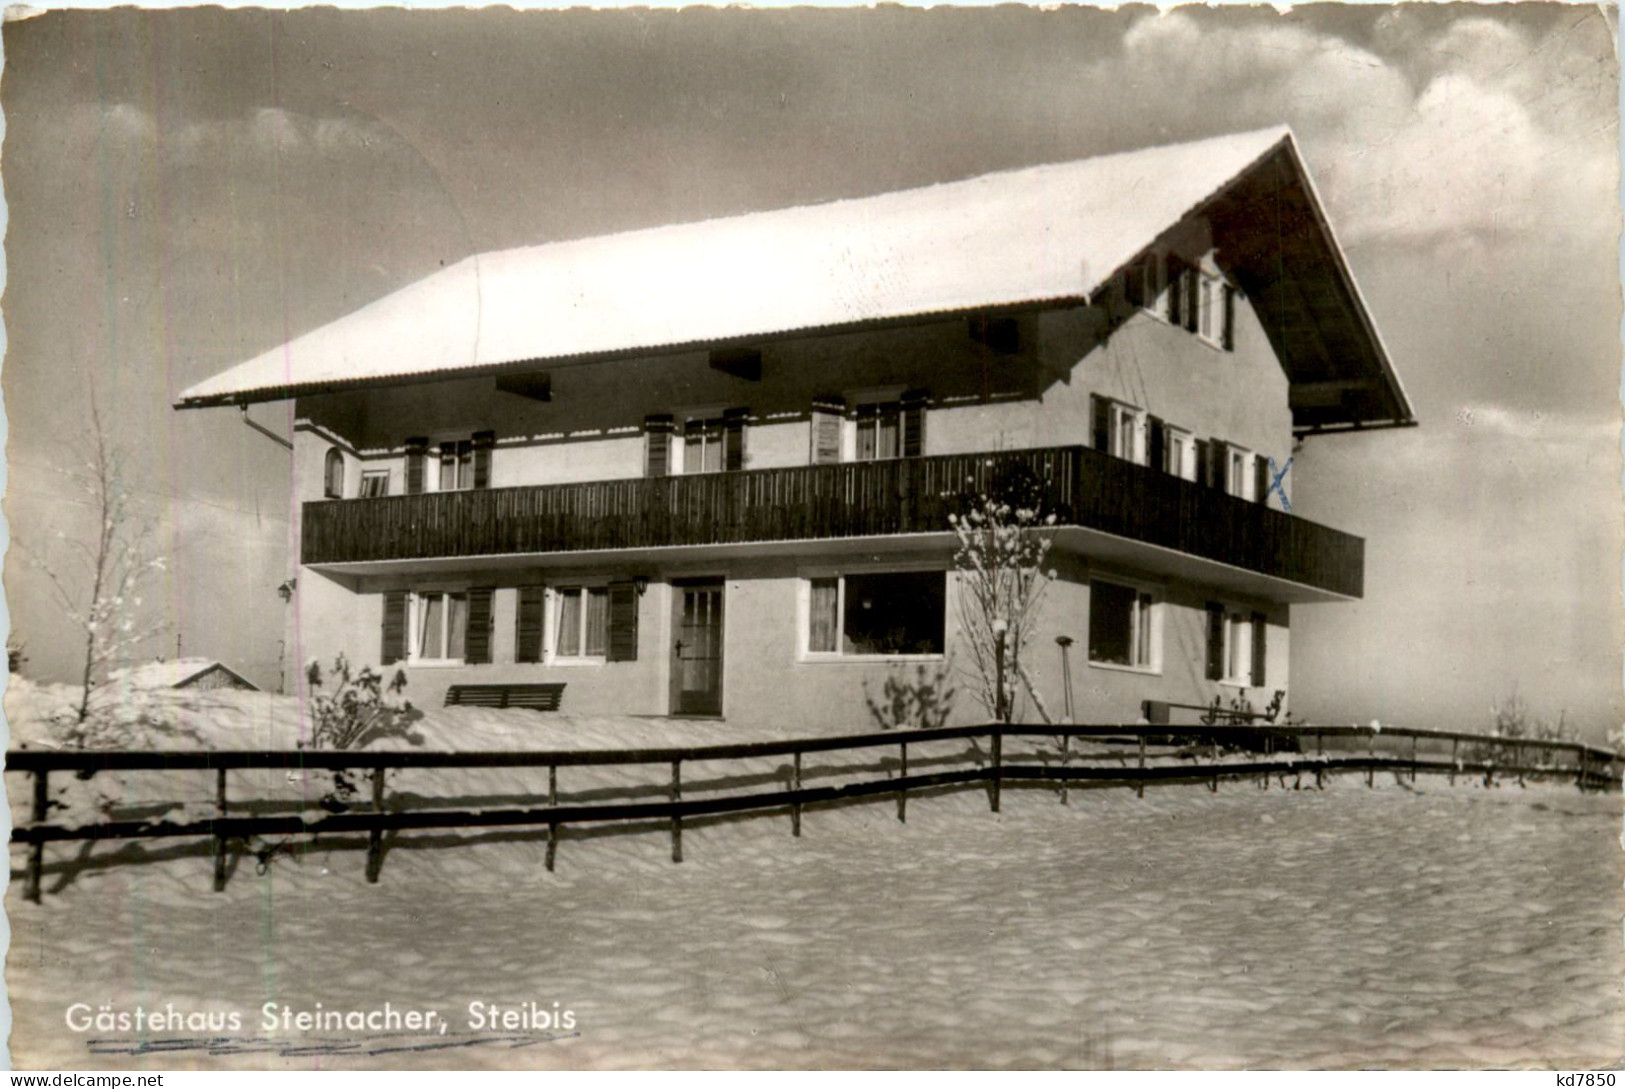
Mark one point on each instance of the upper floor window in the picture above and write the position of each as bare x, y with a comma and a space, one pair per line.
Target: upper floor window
374, 483
1178, 453
890, 427
877, 613
453, 464
333, 475
1238, 472
1201, 301
1124, 625
708, 440
456, 465
1120, 430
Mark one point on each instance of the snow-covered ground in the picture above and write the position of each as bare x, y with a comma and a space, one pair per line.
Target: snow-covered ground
1433, 926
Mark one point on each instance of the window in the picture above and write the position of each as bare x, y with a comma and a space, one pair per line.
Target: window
1178, 453
333, 475
702, 445
439, 620
1238, 648
1238, 477
580, 621
883, 613
891, 428
1124, 626
1120, 430
713, 441
1237, 645
374, 483
456, 465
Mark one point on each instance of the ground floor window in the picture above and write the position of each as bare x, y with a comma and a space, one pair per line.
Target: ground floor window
1123, 625
877, 613
1237, 645
439, 625
581, 621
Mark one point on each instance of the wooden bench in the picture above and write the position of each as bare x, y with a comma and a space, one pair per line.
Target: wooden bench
534, 697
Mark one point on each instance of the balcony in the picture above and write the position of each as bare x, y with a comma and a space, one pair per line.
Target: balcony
1096, 498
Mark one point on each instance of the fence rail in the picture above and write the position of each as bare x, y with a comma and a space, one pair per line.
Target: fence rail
1231, 751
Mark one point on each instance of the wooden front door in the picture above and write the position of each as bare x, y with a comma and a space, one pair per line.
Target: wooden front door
696, 653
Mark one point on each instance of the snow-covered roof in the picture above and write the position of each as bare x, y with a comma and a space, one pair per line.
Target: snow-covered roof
173, 673
1019, 237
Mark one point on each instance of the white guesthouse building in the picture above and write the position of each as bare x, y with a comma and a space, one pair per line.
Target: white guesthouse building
705, 469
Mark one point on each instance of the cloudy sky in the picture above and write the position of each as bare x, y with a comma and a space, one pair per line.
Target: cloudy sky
187, 189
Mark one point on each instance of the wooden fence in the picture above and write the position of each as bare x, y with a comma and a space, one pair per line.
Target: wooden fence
1203, 754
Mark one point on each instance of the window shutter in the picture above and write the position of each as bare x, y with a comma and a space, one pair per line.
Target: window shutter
1204, 462
1229, 318
657, 445
914, 423
826, 430
1215, 641
623, 622
733, 438
1134, 284
1217, 455
1157, 445
528, 636
477, 640
417, 450
394, 645
1192, 283
1260, 645
1174, 277
1103, 424
484, 441
1261, 478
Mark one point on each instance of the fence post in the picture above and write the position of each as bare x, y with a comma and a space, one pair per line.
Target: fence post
1269, 755
375, 838
902, 791
552, 785
676, 821
1139, 783
1214, 787
1371, 759
36, 850
1066, 758
1454, 742
795, 787
1320, 760
219, 840
998, 768
1517, 760
1580, 769
1413, 760
552, 843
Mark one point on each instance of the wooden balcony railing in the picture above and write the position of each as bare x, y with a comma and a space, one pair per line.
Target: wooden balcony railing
1082, 486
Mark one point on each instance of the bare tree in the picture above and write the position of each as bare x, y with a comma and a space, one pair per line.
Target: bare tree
97, 580
1004, 539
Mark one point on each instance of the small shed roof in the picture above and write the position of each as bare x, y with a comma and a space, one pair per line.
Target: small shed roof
173, 673
1050, 234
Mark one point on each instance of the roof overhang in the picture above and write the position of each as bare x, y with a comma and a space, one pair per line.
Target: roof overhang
1046, 236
